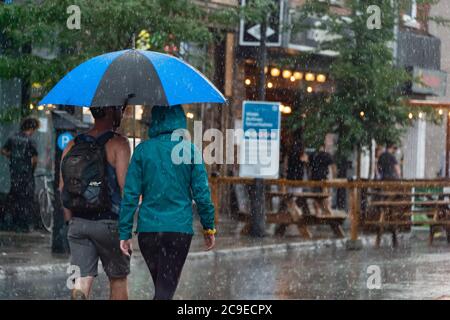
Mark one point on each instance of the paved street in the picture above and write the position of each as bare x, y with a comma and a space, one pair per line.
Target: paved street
412, 271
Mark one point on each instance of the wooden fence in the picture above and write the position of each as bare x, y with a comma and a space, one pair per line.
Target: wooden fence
354, 188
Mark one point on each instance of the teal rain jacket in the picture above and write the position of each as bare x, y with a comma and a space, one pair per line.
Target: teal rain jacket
166, 185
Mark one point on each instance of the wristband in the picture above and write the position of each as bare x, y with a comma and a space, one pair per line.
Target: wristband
209, 232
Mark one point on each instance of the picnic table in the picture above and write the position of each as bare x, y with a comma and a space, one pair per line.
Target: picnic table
389, 194
293, 209
395, 210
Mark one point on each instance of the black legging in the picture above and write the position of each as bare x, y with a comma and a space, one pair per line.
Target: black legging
165, 254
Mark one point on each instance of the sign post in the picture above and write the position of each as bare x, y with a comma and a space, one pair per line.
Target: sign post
66, 128
259, 155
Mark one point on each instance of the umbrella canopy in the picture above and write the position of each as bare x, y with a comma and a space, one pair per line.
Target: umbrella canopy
133, 77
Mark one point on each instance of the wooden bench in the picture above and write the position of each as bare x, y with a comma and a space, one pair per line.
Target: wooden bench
408, 194
394, 214
293, 209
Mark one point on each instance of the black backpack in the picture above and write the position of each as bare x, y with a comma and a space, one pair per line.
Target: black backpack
83, 171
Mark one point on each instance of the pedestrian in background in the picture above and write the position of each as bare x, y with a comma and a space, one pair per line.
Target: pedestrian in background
22, 153
167, 188
321, 164
297, 160
387, 165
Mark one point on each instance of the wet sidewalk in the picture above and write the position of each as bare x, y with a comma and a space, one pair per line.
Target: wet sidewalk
320, 269
243, 268
25, 253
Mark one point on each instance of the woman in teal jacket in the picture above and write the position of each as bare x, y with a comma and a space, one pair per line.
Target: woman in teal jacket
168, 173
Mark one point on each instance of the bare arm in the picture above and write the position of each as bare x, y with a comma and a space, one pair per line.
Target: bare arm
67, 212
398, 170
6, 153
34, 161
122, 160
333, 171
6, 150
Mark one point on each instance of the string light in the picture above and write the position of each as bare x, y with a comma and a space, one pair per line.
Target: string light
31, 106
309, 89
410, 115
298, 75
292, 78
420, 115
275, 72
269, 85
321, 78
287, 110
41, 107
440, 112
248, 82
361, 114
190, 115
287, 74
310, 76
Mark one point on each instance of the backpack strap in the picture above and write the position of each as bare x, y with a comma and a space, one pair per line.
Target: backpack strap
80, 138
101, 140
105, 137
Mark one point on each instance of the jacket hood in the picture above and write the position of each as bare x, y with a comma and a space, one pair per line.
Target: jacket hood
166, 120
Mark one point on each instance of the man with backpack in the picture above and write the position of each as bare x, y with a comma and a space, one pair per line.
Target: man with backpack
93, 170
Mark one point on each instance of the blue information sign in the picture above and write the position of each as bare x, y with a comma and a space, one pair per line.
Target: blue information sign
259, 118
260, 144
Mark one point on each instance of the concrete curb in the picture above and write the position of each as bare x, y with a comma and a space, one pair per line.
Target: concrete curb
367, 241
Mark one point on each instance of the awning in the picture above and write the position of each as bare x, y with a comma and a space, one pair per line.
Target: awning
429, 103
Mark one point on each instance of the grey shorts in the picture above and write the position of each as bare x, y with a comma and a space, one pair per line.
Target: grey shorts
90, 240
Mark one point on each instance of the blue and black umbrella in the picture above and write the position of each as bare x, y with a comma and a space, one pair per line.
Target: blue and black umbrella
133, 77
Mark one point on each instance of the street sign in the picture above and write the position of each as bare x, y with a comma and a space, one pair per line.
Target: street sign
63, 139
260, 143
250, 32
310, 40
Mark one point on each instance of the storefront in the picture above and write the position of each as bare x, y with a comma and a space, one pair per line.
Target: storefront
424, 148
293, 76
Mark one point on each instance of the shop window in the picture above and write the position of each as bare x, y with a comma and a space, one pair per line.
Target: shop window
339, 3
410, 15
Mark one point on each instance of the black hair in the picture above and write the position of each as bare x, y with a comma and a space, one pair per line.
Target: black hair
29, 123
390, 144
100, 112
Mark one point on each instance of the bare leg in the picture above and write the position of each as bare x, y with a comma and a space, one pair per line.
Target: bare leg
317, 207
119, 288
82, 288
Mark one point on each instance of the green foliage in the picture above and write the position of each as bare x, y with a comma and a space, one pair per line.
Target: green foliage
106, 25
367, 101
12, 114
